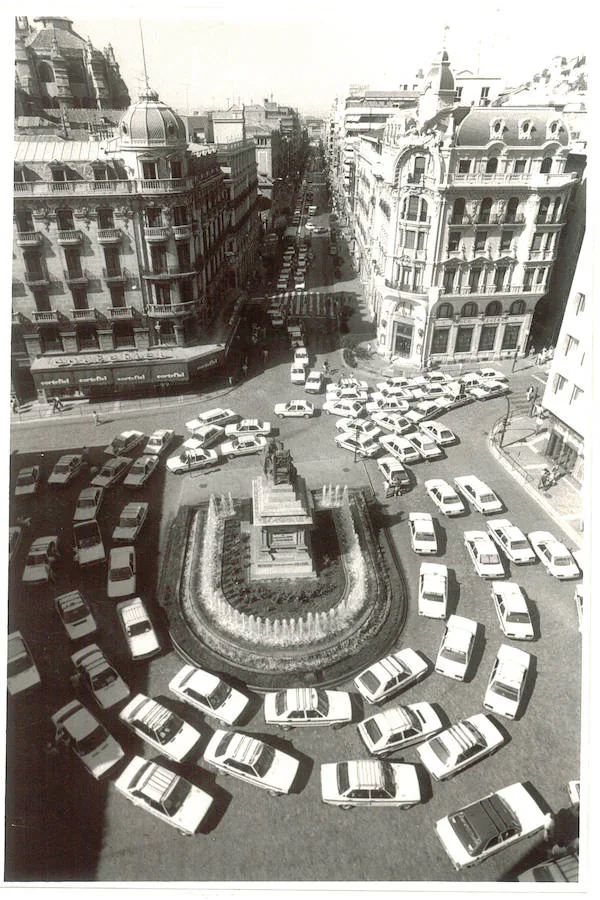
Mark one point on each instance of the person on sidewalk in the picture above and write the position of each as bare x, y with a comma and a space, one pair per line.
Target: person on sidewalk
530, 393
245, 369
96, 417
15, 405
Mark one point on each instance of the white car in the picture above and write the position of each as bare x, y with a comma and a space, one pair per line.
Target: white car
133, 516
138, 629
388, 676
164, 794
124, 443
335, 387
27, 481
301, 356
484, 554
508, 677
392, 422
395, 381
141, 470
470, 379
444, 496
491, 374
387, 404
425, 446
41, 559
203, 435
111, 472
90, 741
370, 782
102, 680
192, 457
511, 540
158, 441
400, 448
307, 706
21, 673
488, 825
359, 444
121, 572
241, 446
251, 760
395, 390
348, 408
75, 615
478, 494
459, 746
88, 503
422, 533
399, 727
488, 390
456, 647
295, 409
215, 416
554, 555
158, 726
512, 610
393, 472
346, 393
358, 426
247, 426
209, 693
66, 468
439, 433
437, 377
314, 382
298, 373
416, 415
433, 590
88, 547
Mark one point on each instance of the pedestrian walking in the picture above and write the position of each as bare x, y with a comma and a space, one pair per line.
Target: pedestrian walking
230, 380
530, 393
96, 417
244, 368
265, 356
55, 405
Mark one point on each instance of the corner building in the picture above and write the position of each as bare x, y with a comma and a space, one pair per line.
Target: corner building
457, 217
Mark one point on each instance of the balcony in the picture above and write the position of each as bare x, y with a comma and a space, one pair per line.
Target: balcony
415, 292
169, 272
531, 179
155, 233
29, 238
541, 254
120, 312
121, 187
45, 317
75, 276
164, 185
467, 290
158, 311
109, 235
37, 279
66, 238
182, 232
83, 315
114, 276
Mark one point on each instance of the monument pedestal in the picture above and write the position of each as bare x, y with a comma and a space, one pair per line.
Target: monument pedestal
280, 537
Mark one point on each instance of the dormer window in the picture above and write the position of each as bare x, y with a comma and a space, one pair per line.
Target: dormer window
553, 129
497, 127
525, 129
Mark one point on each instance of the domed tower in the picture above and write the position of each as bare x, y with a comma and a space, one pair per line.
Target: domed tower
152, 138
438, 88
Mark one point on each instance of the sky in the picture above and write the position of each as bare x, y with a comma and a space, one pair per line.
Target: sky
307, 54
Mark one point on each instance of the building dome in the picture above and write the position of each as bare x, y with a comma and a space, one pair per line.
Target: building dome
151, 123
440, 75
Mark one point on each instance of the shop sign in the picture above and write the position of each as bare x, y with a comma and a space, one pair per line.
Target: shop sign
53, 380
93, 378
170, 374
133, 375
206, 364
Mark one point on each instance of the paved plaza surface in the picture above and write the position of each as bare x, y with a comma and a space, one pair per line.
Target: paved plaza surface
64, 826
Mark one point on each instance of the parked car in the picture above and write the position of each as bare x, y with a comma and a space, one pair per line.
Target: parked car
133, 516
484, 555
456, 647
441, 434
204, 435
422, 533
390, 675
158, 441
215, 416
359, 444
347, 393
426, 448
508, 677
247, 426
75, 614
164, 794
90, 741
488, 390
444, 496
27, 481
387, 404
358, 426
385, 390
88, 503
307, 706
392, 422
487, 826
121, 572
142, 469
478, 494
41, 560
512, 611
433, 590
399, 727
112, 471
251, 760
88, 547
22, 673
454, 749
301, 355
66, 468
394, 473
298, 373
557, 560
334, 387
314, 382
394, 381
209, 693
348, 408
138, 629
167, 732
512, 540
487, 374
295, 409
192, 455
470, 379
437, 377
101, 679
241, 446
370, 782
400, 448
124, 443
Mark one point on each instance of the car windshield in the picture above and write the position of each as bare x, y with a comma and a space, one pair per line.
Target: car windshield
61, 469
264, 760
432, 595
518, 617
138, 469
488, 559
73, 613
454, 655
220, 694
36, 559
139, 628
562, 560
91, 741
104, 678
23, 480
118, 444
168, 728
107, 472
370, 681
509, 691
127, 522
487, 498
85, 502
176, 796
121, 573
519, 545
424, 536
373, 730
439, 748
155, 442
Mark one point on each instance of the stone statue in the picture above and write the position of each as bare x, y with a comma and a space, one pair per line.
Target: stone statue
278, 464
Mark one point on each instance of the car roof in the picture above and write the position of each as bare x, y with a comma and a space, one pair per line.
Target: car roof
489, 817
115, 461
80, 723
160, 432
458, 636
387, 667
391, 462
244, 747
67, 458
458, 738
302, 698
366, 773
420, 517
157, 783
132, 508
120, 553
511, 593
478, 537
510, 657
396, 718
27, 470
41, 543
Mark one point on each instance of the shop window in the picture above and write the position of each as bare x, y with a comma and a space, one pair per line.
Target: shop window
463, 340
510, 339
439, 341
445, 311
403, 339
487, 338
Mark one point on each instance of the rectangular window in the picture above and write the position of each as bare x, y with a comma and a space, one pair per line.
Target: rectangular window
113, 261
575, 394
180, 215
413, 208
536, 244
499, 278
449, 276
464, 166
24, 220
474, 278
403, 339
558, 383
117, 296
64, 219
439, 341
149, 170
487, 337
519, 168
420, 240
528, 280
153, 216
183, 257
548, 241
510, 338
106, 218
458, 95
571, 345
540, 276
163, 294
409, 240
80, 300
454, 240
73, 262
506, 240
580, 304
175, 168
484, 97
159, 259
463, 339
480, 239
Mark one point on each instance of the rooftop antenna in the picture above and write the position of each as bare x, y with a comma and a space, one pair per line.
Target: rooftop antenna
144, 57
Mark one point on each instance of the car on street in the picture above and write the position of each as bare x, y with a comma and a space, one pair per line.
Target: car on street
243, 445
307, 706
251, 760
370, 782
88, 503
511, 540
444, 496
301, 356
437, 377
470, 379
41, 560
456, 647
121, 572
295, 409
346, 393
99, 677
314, 382
247, 426
158, 441
484, 554
488, 390
428, 408
66, 468
437, 432
512, 610
75, 614
111, 472
387, 405
390, 675
359, 444
191, 455
131, 520
425, 446
204, 435
216, 416
399, 727
478, 494
433, 590
209, 693
124, 443
88, 546
22, 673
459, 746
399, 447
334, 387
358, 426
422, 533
555, 557
164, 794
298, 373
416, 415
395, 381
385, 390
142, 469
394, 473
138, 629
392, 422
162, 729
27, 481
485, 827
346, 408
507, 682
488, 374
89, 740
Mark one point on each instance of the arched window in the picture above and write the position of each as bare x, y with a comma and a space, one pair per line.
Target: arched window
543, 209
423, 212
546, 165
458, 211
517, 308
469, 310
491, 167
445, 311
484, 209
494, 308
512, 208
45, 73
